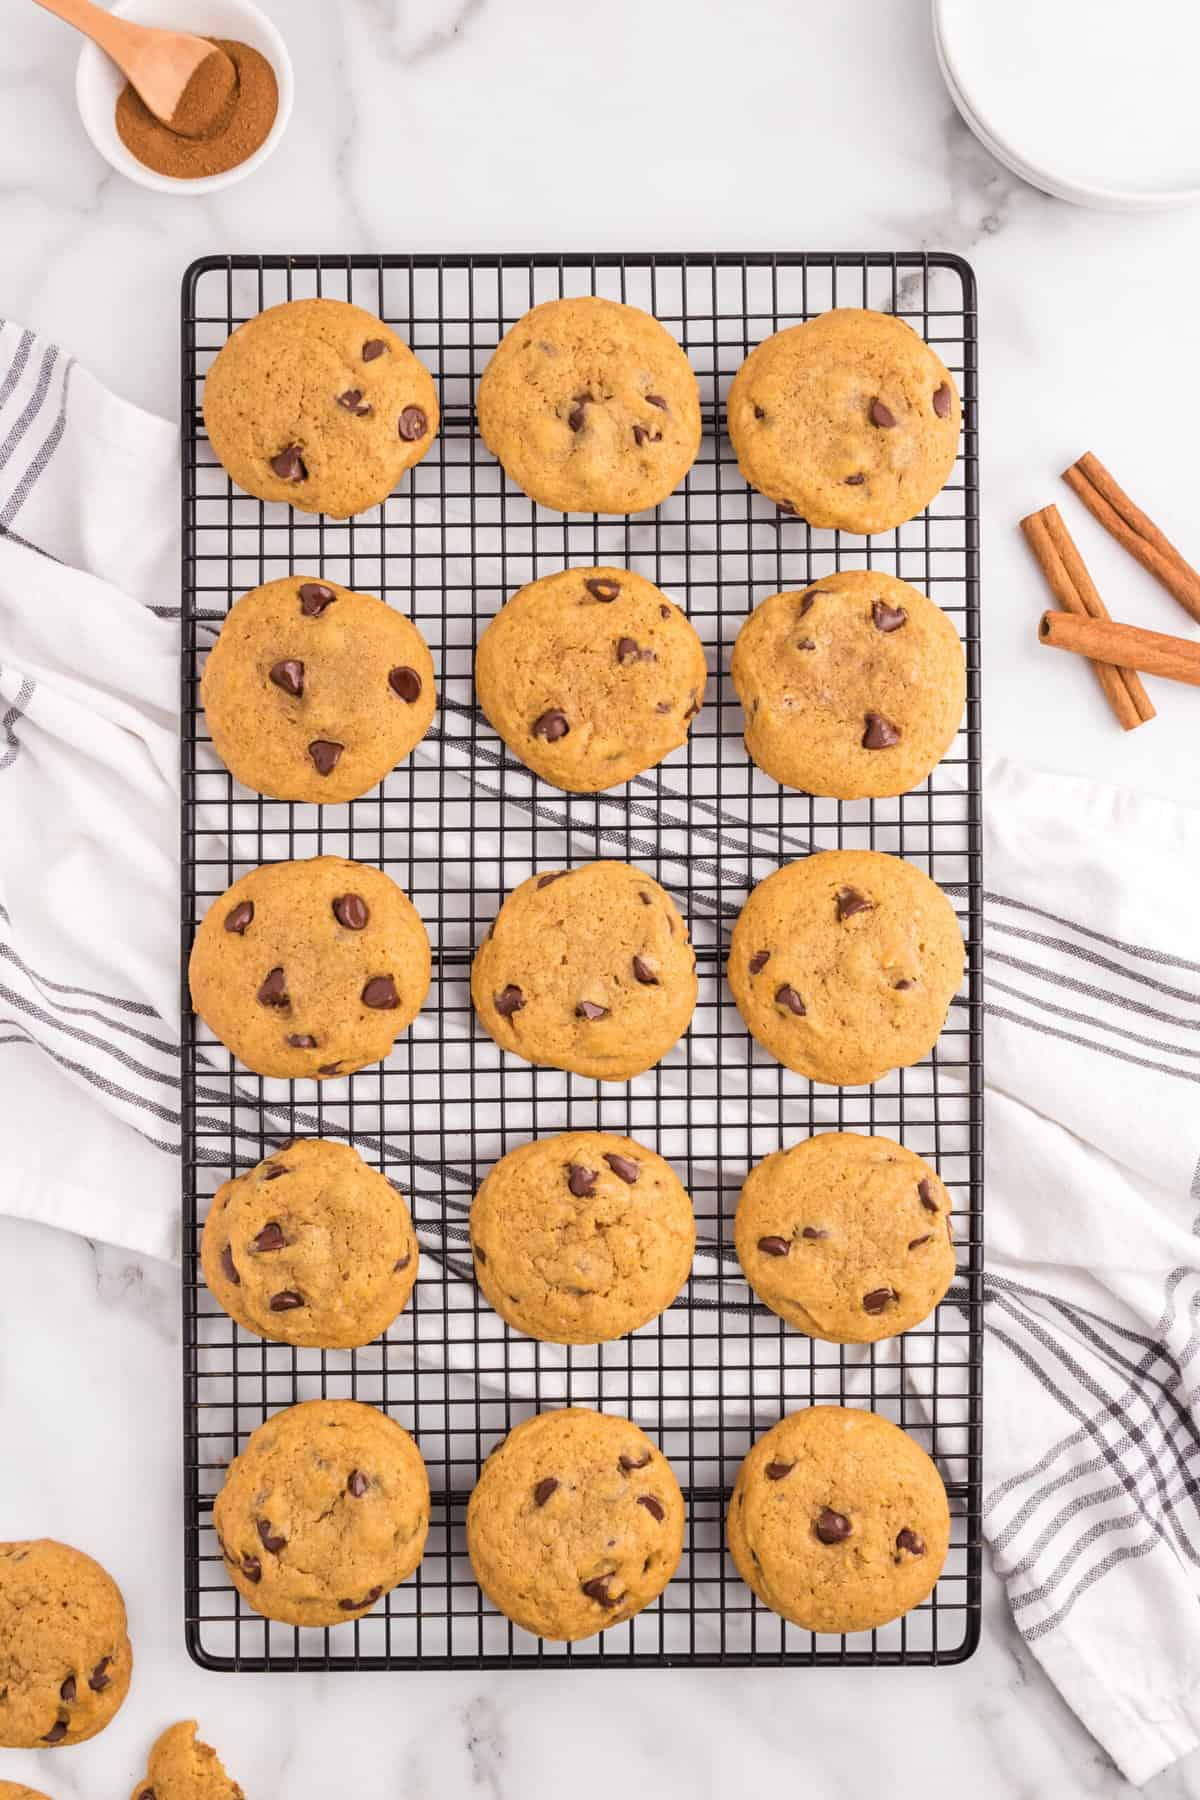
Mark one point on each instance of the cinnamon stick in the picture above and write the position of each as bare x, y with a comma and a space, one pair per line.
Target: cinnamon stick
1127, 646
1075, 590
1111, 505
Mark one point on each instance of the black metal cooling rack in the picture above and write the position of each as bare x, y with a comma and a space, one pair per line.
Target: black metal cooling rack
458, 826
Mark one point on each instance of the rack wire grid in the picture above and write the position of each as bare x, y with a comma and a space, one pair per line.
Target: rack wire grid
458, 826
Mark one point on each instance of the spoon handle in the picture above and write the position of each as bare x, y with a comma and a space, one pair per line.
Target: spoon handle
119, 38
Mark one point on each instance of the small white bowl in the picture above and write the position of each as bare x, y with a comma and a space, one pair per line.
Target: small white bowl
98, 82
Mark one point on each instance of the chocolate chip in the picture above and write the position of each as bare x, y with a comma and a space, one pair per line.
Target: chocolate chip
368, 1599
629, 1463
602, 588
644, 973
664, 612
325, 755
581, 1181
147, 1794
694, 708
941, 401
314, 599
597, 1590
855, 480
902, 986
654, 1507
252, 1568
352, 400
56, 1733
759, 961
273, 991
629, 651
916, 1243
832, 1527
372, 348
405, 683
229, 1267
239, 916
270, 1540
642, 436
480, 1253
555, 875
622, 1166
274, 1171
928, 1197
412, 424
588, 1009
99, 1678
67, 1690
759, 413
663, 706
850, 901
880, 734
551, 726
575, 417
544, 1489
908, 1540
887, 618
357, 1484
401, 1262
806, 605
813, 1231
779, 1471
300, 1040
786, 510
380, 994
773, 1246
287, 1300
508, 1001
645, 898
882, 415
787, 996
657, 400
270, 1237
329, 1068
289, 465
807, 644
351, 910
878, 1299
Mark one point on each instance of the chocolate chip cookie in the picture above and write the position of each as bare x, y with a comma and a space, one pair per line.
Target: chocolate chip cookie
850, 420
65, 1657
311, 1247
325, 1509
581, 1238
312, 692
590, 676
843, 965
587, 969
182, 1768
12, 1790
320, 404
846, 1237
576, 1523
310, 968
853, 688
838, 1521
591, 406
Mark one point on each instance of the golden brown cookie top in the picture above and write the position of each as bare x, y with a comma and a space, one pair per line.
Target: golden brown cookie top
182, 1768
13, 1790
582, 1237
852, 688
844, 964
65, 1658
312, 692
319, 404
846, 1237
591, 406
839, 1521
310, 968
311, 1247
590, 676
325, 1509
575, 1524
850, 420
587, 969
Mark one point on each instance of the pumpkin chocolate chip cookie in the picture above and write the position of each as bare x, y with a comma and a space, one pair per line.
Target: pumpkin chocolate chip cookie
182, 1768
325, 1509
591, 406
310, 968
850, 420
838, 1521
65, 1658
575, 1524
587, 969
590, 676
581, 1238
844, 965
846, 1237
319, 404
312, 692
853, 688
311, 1247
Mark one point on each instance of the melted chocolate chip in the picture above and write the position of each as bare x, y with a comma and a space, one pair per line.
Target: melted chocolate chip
832, 1527
273, 991
788, 997
289, 465
644, 973
412, 424
887, 618
805, 605
589, 1009
597, 1590
325, 754
759, 413
903, 986
314, 598
664, 612
329, 1068
850, 901
544, 1489
357, 1483
287, 1300
372, 348
368, 1599
252, 1568
270, 1237
778, 1471
880, 734
623, 1166
56, 1733
878, 1300
301, 1040
551, 726
630, 1463
855, 480
555, 875
270, 1540
575, 418
352, 911
480, 1253
941, 401
380, 994
229, 1267
239, 916
882, 415
508, 1001
928, 1197
405, 683
630, 651
908, 1540
642, 436
806, 644
602, 588
352, 400
581, 1181
915, 1243
813, 1231
99, 1678
657, 400
759, 961
654, 1507
67, 1691
401, 1262
773, 1246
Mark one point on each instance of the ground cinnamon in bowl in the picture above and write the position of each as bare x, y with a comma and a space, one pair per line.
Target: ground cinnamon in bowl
241, 126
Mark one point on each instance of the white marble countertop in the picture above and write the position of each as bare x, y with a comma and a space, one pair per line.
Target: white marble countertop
529, 124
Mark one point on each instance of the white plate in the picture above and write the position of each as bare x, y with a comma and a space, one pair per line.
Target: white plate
1092, 100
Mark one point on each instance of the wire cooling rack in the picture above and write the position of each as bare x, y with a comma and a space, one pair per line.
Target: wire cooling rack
458, 826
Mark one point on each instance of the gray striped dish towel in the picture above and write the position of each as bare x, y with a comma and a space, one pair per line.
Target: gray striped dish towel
1092, 968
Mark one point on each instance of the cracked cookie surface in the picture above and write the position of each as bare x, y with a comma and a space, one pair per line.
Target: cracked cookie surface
312, 692
850, 420
838, 1521
319, 404
310, 968
844, 964
591, 406
581, 1238
180, 1767
852, 688
311, 1247
324, 1511
65, 1657
575, 1524
587, 969
590, 676
847, 1237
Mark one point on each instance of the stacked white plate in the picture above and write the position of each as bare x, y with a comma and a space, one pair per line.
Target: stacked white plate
1095, 101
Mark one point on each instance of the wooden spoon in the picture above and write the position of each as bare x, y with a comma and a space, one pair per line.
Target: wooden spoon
160, 64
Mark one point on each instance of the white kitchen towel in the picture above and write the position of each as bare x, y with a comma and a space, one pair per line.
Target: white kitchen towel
1092, 985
